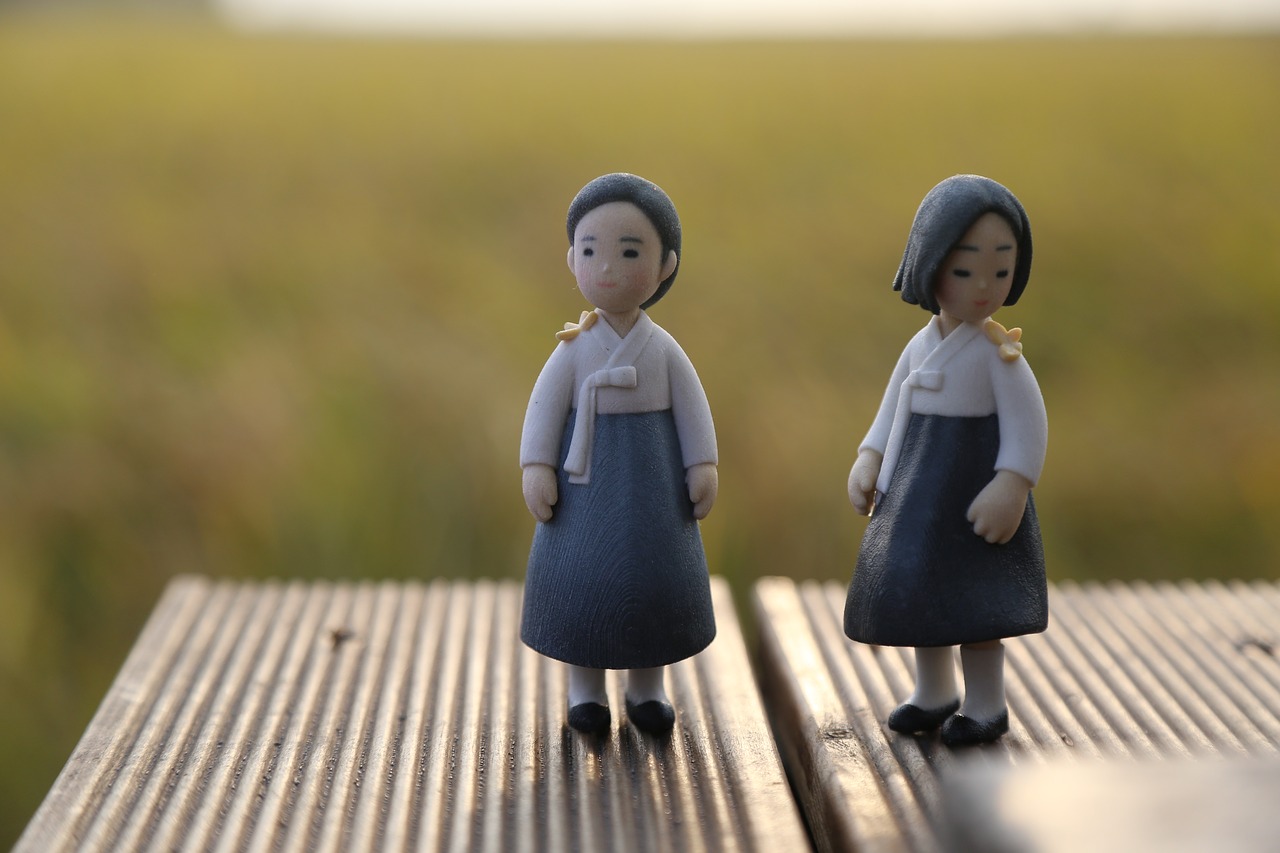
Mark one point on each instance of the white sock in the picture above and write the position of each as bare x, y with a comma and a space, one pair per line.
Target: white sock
645, 685
935, 678
586, 685
983, 682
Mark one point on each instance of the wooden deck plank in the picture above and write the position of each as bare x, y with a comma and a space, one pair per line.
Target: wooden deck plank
1162, 672
333, 716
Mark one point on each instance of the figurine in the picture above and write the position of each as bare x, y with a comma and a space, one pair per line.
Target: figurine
952, 553
619, 459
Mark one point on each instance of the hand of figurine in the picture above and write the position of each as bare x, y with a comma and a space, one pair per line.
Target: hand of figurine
862, 480
540, 492
703, 481
997, 511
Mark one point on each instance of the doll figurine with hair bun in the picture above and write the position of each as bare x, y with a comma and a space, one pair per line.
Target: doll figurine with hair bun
619, 460
952, 554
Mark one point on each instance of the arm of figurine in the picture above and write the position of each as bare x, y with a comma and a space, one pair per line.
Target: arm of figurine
540, 490
543, 428
997, 511
695, 429
866, 469
862, 480
704, 482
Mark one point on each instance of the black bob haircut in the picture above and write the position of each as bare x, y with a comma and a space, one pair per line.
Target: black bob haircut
944, 216
646, 195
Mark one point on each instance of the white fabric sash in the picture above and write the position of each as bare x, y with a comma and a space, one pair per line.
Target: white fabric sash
619, 372
928, 376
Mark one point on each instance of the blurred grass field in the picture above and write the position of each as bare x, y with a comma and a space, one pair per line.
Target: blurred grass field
273, 307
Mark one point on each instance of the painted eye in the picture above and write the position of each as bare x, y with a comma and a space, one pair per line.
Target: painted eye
588, 252
1002, 274
960, 273
630, 253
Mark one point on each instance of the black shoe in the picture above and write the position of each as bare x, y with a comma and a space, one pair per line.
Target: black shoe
909, 719
590, 718
966, 731
652, 716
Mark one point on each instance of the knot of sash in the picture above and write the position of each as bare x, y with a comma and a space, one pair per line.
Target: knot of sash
929, 380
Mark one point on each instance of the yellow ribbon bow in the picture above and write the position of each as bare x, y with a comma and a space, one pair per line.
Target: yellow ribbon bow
1009, 340
572, 330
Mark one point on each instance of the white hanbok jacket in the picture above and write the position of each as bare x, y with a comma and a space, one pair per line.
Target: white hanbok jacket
596, 371
962, 375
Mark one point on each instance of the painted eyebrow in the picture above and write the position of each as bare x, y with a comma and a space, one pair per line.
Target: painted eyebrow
630, 240
966, 247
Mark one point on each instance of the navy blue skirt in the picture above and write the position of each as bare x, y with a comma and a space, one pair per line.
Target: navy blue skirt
617, 579
923, 577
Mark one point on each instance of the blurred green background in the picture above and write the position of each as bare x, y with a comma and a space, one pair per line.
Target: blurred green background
273, 306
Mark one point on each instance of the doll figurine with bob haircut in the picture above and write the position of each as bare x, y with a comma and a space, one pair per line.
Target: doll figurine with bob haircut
952, 555
619, 459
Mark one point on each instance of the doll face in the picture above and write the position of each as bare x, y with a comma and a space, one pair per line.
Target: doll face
976, 276
617, 257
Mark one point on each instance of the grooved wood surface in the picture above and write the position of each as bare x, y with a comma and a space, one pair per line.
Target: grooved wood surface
1125, 671
392, 716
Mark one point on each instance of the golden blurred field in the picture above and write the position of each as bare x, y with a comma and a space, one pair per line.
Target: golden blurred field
273, 307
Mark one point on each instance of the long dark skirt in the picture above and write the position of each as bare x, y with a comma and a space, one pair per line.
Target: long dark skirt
617, 579
923, 577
